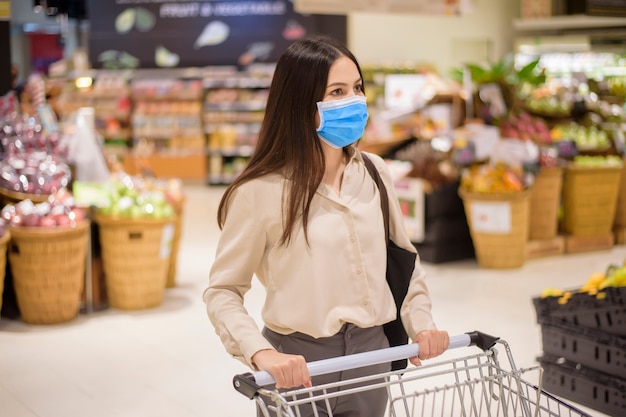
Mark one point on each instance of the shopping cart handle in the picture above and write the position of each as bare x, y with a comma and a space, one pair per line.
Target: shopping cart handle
482, 340
249, 383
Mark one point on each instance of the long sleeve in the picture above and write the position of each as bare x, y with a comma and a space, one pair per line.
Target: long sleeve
238, 255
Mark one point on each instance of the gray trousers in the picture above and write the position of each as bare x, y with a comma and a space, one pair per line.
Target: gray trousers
350, 339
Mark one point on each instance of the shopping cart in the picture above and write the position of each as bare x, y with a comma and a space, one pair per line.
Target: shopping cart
469, 386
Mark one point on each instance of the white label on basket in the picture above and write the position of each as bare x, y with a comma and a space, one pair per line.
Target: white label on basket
491, 217
167, 239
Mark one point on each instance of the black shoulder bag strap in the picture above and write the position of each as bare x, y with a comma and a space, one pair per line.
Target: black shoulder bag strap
400, 266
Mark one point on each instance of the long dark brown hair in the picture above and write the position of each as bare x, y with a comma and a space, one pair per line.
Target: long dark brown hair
288, 143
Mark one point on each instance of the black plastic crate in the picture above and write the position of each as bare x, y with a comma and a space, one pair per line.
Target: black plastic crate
441, 252
606, 314
444, 201
447, 230
593, 389
597, 350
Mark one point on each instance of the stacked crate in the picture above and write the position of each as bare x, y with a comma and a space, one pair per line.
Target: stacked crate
584, 348
446, 232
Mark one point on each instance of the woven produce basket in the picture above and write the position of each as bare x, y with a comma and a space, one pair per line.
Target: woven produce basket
499, 227
135, 256
620, 210
544, 204
590, 199
173, 264
4, 242
48, 268
11, 197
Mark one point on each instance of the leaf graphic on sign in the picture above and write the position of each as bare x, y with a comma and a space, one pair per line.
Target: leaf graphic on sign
213, 34
164, 58
125, 21
145, 20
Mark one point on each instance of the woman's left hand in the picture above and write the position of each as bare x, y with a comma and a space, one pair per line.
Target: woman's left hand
432, 343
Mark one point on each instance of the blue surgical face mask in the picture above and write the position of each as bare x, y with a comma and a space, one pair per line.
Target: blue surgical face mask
342, 122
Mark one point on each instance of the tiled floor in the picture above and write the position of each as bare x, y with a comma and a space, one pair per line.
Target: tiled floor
167, 361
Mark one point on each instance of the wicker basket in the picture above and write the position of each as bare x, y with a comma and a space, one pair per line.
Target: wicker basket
173, 265
544, 204
620, 211
499, 227
135, 256
4, 242
48, 268
12, 197
590, 199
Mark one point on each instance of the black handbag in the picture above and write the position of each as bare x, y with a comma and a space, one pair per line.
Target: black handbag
400, 266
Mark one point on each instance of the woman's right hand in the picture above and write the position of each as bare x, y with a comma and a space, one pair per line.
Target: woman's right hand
289, 371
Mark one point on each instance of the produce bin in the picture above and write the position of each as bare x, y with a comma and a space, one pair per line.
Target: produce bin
4, 242
499, 227
48, 269
544, 204
606, 314
590, 199
589, 347
585, 386
136, 257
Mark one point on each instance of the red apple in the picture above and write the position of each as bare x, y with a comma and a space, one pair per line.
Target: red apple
47, 221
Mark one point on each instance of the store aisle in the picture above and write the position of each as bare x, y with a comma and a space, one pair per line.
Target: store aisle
168, 362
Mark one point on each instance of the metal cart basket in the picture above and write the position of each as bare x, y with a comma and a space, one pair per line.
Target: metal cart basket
469, 386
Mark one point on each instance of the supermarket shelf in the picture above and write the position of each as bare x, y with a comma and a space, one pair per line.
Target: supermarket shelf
568, 22
237, 83
236, 106
221, 179
242, 151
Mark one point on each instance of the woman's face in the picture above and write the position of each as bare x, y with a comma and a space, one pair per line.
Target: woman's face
343, 80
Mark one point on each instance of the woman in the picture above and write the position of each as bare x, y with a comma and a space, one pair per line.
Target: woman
305, 217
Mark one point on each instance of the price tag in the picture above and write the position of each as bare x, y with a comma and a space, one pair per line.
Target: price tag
167, 239
491, 217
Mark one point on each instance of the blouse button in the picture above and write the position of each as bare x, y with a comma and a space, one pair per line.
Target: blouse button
352, 239
358, 270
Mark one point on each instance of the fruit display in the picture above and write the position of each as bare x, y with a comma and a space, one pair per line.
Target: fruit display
34, 159
24, 135
586, 138
59, 210
552, 99
614, 276
498, 178
597, 161
617, 86
526, 127
428, 164
552, 106
134, 197
34, 173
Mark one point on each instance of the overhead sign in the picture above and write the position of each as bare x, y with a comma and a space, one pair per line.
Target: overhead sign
171, 33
